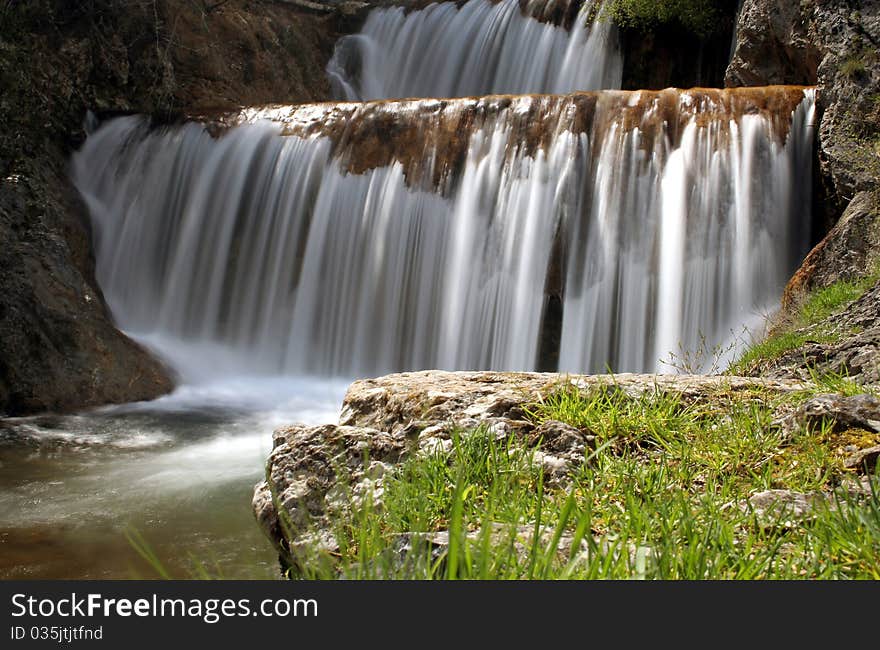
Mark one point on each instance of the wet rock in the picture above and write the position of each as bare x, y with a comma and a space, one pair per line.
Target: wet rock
378, 134
59, 348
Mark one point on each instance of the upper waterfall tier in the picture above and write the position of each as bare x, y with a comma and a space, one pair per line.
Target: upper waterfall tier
583, 231
476, 48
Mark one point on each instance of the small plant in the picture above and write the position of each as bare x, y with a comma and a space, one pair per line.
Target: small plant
853, 67
705, 359
772, 347
652, 419
836, 382
478, 510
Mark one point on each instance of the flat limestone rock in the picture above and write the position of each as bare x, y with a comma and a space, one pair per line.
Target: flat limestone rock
785, 508
864, 460
420, 399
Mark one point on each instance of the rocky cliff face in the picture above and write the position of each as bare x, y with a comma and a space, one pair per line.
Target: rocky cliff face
670, 55
775, 41
59, 349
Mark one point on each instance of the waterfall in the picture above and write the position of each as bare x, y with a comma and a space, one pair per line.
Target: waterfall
478, 48
358, 239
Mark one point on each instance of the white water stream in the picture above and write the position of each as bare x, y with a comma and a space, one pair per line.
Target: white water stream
669, 237
478, 48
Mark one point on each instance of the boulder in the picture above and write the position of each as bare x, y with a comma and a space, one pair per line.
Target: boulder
838, 412
784, 508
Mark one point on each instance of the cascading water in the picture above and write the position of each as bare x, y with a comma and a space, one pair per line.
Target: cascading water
353, 239
578, 232
478, 48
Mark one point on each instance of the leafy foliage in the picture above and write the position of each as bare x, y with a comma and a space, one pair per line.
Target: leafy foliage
701, 17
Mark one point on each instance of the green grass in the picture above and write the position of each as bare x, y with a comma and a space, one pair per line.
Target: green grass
772, 347
828, 382
663, 494
830, 300
810, 323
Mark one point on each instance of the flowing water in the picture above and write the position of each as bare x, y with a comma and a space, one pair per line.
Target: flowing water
478, 48
306, 246
658, 221
175, 475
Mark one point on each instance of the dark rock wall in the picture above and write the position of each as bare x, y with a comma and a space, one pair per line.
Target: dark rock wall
671, 56
60, 350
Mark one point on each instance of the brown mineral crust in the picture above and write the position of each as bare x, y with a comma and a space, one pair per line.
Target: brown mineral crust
429, 138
